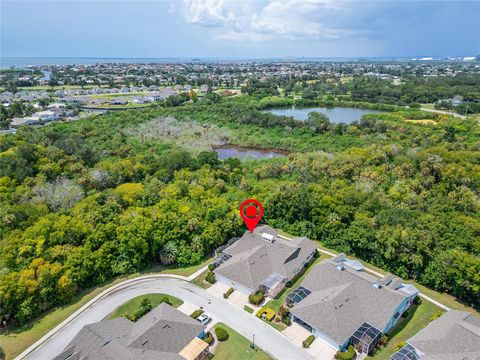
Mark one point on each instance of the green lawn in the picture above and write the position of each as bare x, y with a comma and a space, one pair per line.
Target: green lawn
22, 337
134, 304
248, 309
200, 280
237, 348
417, 319
280, 299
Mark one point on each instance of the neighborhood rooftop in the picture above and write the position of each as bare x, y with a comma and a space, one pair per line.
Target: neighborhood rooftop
264, 258
338, 298
453, 336
163, 333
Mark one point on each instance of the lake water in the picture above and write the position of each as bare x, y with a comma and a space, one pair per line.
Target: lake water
336, 114
229, 151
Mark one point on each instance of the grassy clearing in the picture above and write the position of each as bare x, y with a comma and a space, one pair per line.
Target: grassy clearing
134, 304
423, 122
21, 338
188, 134
237, 348
418, 317
200, 280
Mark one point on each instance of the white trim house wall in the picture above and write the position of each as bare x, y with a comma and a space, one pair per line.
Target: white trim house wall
233, 284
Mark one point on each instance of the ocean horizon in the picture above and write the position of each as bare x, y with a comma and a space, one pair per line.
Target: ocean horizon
9, 61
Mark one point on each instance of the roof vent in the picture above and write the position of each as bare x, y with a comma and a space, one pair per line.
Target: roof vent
340, 267
339, 258
377, 285
268, 237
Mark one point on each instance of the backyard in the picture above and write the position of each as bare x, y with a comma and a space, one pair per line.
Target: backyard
418, 317
237, 347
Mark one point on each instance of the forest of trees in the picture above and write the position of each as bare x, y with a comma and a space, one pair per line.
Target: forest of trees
84, 202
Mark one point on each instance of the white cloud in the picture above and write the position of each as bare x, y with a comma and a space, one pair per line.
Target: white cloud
207, 12
277, 19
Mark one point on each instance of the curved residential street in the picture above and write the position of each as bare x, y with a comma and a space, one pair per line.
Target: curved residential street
266, 337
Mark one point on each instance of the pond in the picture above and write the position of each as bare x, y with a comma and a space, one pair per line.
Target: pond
336, 115
244, 152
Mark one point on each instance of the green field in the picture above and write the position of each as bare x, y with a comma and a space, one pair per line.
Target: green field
21, 338
132, 305
418, 317
237, 348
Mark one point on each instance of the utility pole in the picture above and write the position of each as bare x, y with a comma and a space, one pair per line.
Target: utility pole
252, 345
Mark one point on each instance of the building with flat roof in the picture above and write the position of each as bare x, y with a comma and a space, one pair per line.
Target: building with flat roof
262, 260
342, 304
453, 336
164, 333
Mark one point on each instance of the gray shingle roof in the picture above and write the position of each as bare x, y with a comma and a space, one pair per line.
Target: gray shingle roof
453, 336
160, 334
254, 259
342, 300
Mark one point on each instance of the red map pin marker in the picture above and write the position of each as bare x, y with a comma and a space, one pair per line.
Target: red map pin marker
251, 212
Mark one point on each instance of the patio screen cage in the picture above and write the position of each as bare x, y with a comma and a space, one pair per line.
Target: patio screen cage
297, 295
221, 259
366, 338
273, 280
406, 353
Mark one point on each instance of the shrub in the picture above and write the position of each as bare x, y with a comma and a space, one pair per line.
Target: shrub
228, 293
288, 284
436, 315
400, 345
211, 266
209, 338
221, 334
211, 278
383, 340
308, 341
284, 314
256, 298
269, 313
196, 313
405, 314
165, 299
417, 300
346, 355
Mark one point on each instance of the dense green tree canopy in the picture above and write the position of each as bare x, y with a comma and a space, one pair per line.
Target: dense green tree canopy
84, 202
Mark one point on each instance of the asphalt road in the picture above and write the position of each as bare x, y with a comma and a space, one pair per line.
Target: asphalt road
266, 337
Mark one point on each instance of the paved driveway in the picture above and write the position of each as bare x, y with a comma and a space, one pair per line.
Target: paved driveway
319, 349
296, 333
266, 337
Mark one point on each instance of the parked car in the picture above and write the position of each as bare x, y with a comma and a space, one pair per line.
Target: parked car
204, 319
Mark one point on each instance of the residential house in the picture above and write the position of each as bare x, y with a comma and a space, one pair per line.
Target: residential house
47, 115
453, 336
341, 303
263, 260
163, 333
204, 88
119, 101
17, 122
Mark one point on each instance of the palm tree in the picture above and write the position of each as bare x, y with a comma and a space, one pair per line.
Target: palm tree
168, 254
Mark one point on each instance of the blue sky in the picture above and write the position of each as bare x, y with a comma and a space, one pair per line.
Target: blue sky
225, 28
